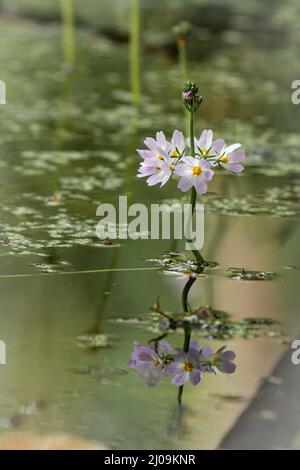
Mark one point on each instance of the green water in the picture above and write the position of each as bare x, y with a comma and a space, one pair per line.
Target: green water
67, 143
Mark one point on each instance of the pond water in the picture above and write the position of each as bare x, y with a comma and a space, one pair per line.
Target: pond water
67, 143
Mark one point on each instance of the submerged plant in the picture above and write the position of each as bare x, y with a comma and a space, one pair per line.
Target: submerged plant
195, 162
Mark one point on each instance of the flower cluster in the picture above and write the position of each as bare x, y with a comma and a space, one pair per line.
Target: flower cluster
162, 159
159, 360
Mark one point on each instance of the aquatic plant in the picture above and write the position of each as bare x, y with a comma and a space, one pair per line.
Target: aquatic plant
159, 360
194, 161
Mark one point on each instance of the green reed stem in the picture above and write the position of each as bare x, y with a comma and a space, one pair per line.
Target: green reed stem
135, 53
68, 16
182, 52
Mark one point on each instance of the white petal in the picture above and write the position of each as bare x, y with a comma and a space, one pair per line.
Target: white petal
232, 148
202, 139
178, 140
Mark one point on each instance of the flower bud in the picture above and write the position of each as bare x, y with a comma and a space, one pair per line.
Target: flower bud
190, 96
187, 95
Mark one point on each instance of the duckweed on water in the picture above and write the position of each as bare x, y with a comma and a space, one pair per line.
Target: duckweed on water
48, 220
51, 268
240, 274
277, 202
206, 322
93, 342
178, 263
30, 228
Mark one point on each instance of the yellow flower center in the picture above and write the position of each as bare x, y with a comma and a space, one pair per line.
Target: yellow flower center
175, 154
160, 156
224, 159
188, 367
197, 170
156, 363
171, 167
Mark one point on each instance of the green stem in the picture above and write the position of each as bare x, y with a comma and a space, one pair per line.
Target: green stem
187, 328
135, 53
185, 293
199, 259
67, 8
192, 138
181, 43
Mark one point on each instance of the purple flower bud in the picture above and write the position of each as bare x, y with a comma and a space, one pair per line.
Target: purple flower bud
187, 95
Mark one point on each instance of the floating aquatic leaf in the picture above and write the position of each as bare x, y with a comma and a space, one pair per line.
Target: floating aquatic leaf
93, 342
237, 274
179, 264
278, 202
104, 375
274, 334
206, 322
51, 267
229, 398
107, 244
34, 407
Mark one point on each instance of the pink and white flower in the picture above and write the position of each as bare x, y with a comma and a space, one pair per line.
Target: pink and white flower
231, 157
194, 172
204, 146
162, 158
186, 366
177, 145
223, 361
155, 146
150, 361
157, 170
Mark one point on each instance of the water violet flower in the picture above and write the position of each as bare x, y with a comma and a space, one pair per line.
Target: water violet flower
158, 170
230, 158
177, 144
155, 146
186, 370
193, 161
186, 366
195, 173
150, 361
205, 147
223, 361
